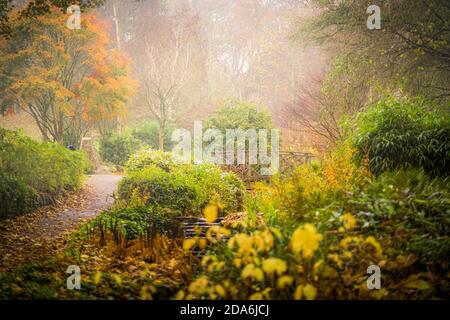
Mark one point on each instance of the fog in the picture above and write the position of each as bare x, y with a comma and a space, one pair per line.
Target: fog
190, 57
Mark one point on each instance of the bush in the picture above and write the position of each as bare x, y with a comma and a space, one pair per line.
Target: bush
410, 207
399, 223
399, 133
15, 196
46, 167
147, 157
309, 187
151, 176
223, 189
240, 115
158, 187
147, 133
117, 149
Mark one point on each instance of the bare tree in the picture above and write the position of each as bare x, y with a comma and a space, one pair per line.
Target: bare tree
319, 106
167, 61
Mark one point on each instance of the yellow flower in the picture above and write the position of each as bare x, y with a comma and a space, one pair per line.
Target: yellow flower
220, 290
216, 232
199, 286
146, 293
371, 240
298, 292
276, 232
207, 259
265, 294
306, 240
256, 296
317, 265
216, 266
202, 243
97, 277
348, 221
188, 244
272, 265
180, 295
237, 262
263, 241
335, 258
310, 292
117, 279
253, 272
259, 242
348, 240
244, 242
284, 281
210, 213
268, 239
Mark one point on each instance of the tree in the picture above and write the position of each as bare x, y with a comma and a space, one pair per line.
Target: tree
67, 80
322, 103
411, 51
167, 62
240, 115
37, 8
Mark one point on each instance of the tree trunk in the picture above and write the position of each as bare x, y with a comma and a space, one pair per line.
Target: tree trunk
161, 135
115, 5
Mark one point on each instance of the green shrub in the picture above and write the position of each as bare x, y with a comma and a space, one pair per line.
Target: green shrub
185, 187
15, 196
399, 222
224, 189
399, 133
117, 149
46, 167
148, 135
240, 115
147, 157
155, 186
410, 207
406, 205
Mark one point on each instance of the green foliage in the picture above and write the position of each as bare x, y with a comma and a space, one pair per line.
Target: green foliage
411, 208
215, 186
240, 115
154, 178
148, 134
147, 157
158, 187
47, 168
116, 148
15, 196
133, 222
399, 222
407, 52
403, 133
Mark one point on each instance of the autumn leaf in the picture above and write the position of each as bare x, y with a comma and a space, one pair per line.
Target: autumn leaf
210, 213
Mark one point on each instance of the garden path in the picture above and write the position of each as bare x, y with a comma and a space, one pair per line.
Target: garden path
29, 236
